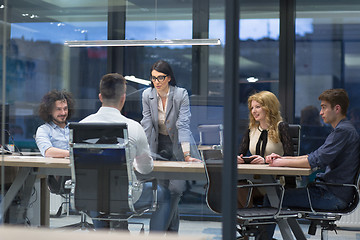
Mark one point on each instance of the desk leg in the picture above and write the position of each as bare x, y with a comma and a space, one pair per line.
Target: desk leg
299, 234
19, 181
284, 229
271, 192
45, 203
284, 224
25, 195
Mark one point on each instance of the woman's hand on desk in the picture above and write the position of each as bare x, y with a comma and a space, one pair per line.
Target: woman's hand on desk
191, 159
255, 159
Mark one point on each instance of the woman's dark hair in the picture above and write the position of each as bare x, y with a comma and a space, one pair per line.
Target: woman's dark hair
163, 67
48, 102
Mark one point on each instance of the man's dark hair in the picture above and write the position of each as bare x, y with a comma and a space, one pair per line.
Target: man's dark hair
163, 67
48, 102
112, 87
335, 97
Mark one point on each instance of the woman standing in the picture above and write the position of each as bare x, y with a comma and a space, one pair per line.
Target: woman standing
166, 121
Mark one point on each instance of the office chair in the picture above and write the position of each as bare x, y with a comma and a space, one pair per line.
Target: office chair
56, 185
295, 133
326, 219
101, 175
211, 137
249, 218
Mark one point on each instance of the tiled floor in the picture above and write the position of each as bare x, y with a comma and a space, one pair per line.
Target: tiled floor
208, 229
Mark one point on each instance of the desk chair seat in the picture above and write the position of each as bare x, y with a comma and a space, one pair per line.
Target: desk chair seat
102, 177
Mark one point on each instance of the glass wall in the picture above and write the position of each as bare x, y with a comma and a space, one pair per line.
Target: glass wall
259, 53
35, 61
326, 56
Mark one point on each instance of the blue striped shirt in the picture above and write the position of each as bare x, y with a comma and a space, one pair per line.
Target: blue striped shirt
51, 135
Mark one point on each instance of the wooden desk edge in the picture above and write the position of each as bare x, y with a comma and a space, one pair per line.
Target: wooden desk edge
160, 166
14, 232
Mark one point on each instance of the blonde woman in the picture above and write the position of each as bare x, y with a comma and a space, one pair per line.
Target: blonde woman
267, 133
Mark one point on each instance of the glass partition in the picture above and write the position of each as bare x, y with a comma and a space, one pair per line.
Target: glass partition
326, 57
35, 60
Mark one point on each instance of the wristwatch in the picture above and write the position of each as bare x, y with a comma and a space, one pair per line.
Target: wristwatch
186, 155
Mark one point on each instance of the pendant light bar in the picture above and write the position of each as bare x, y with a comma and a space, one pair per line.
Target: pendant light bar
138, 80
128, 43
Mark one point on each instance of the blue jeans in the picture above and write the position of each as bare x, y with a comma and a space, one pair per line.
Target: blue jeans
298, 198
159, 219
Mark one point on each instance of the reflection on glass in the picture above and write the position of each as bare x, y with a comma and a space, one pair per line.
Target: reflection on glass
327, 56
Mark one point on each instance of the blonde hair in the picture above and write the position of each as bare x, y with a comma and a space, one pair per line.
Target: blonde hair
271, 105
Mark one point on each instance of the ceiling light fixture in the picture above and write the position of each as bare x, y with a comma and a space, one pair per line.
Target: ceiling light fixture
138, 80
252, 79
127, 43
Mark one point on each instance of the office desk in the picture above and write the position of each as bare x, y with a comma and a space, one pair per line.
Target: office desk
31, 166
163, 169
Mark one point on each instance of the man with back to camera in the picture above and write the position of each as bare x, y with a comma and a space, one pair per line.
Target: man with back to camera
112, 96
52, 138
339, 156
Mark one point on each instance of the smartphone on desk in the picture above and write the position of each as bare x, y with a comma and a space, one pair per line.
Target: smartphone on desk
247, 160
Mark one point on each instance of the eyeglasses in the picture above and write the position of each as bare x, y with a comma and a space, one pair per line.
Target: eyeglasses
159, 78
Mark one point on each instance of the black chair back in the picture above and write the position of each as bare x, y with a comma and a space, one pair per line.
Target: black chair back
98, 153
211, 134
294, 131
213, 168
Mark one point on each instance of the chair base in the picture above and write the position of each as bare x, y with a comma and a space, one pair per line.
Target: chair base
325, 224
83, 224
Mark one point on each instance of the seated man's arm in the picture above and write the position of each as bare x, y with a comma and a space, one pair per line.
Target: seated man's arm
275, 160
143, 161
56, 152
45, 146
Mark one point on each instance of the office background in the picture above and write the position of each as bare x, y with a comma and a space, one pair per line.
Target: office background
295, 49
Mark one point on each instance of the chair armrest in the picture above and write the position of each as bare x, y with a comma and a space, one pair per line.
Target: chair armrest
311, 184
154, 190
252, 185
152, 179
330, 184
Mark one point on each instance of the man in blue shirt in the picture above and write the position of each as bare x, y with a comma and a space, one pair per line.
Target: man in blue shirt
338, 156
52, 138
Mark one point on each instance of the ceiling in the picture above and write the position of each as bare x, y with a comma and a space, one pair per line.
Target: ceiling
97, 10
